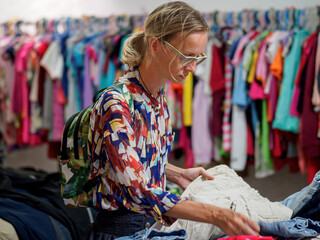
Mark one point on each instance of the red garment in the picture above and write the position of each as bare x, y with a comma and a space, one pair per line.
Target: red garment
41, 50
276, 151
217, 113
307, 45
247, 237
309, 140
250, 142
217, 81
185, 144
53, 149
313, 168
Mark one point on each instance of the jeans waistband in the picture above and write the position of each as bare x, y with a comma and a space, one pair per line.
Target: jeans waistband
122, 211
121, 221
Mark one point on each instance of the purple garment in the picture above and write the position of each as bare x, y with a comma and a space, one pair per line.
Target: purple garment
202, 144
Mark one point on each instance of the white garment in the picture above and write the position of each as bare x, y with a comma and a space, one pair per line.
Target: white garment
52, 61
238, 158
228, 190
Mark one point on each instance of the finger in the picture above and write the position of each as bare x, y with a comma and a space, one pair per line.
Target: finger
206, 174
251, 227
249, 231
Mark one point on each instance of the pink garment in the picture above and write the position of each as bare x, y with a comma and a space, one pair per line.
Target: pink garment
256, 91
237, 56
20, 102
58, 119
273, 96
262, 66
226, 125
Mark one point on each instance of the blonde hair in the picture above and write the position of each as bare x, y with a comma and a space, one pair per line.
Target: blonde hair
164, 23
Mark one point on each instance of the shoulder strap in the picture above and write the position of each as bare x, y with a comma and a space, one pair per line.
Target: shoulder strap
124, 90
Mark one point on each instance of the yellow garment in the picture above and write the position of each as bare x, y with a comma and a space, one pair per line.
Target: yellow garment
187, 100
252, 71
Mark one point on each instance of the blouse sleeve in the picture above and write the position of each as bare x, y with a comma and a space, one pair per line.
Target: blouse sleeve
124, 180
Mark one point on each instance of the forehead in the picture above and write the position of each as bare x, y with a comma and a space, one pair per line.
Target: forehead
194, 43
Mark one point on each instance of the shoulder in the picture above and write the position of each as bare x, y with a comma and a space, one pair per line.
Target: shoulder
117, 97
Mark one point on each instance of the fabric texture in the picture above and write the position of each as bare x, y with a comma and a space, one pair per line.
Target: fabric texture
7, 230
153, 234
294, 228
110, 225
228, 190
129, 155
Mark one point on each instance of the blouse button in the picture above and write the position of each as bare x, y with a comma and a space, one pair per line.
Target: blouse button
156, 109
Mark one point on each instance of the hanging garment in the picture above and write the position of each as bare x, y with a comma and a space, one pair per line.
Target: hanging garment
202, 146
283, 120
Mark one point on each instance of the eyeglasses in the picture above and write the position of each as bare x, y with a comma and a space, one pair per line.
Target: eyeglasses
186, 61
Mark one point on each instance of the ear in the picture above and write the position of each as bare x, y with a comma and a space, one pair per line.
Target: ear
154, 46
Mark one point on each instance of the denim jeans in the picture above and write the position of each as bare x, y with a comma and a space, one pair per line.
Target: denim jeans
311, 209
154, 234
294, 228
298, 200
110, 225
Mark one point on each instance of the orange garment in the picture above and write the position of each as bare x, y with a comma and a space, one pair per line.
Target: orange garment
276, 66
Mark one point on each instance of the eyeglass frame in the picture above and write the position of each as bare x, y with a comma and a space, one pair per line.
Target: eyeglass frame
184, 58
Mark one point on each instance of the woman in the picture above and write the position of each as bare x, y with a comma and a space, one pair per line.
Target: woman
129, 149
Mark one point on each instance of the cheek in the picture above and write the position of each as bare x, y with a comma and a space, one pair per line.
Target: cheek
175, 66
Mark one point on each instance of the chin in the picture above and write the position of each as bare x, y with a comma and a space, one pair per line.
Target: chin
178, 79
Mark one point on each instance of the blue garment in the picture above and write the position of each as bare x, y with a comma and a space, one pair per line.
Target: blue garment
27, 220
240, 96
64, 52
154, 234
299, 199
62, 232
311, 209
283, 120
294, 228
233, 48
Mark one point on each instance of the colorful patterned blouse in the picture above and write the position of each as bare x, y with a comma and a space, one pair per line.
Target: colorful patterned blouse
130, 153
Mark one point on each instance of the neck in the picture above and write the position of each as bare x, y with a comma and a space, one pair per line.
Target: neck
149, 82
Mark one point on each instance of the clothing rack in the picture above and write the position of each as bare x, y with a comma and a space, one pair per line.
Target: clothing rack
105, 36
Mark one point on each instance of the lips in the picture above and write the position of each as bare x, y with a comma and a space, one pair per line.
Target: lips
183, 76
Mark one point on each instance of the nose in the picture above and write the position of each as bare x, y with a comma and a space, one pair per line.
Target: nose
191, 67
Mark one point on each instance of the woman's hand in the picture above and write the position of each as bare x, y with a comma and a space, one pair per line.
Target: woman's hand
183, 177
190, 174
232, 223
